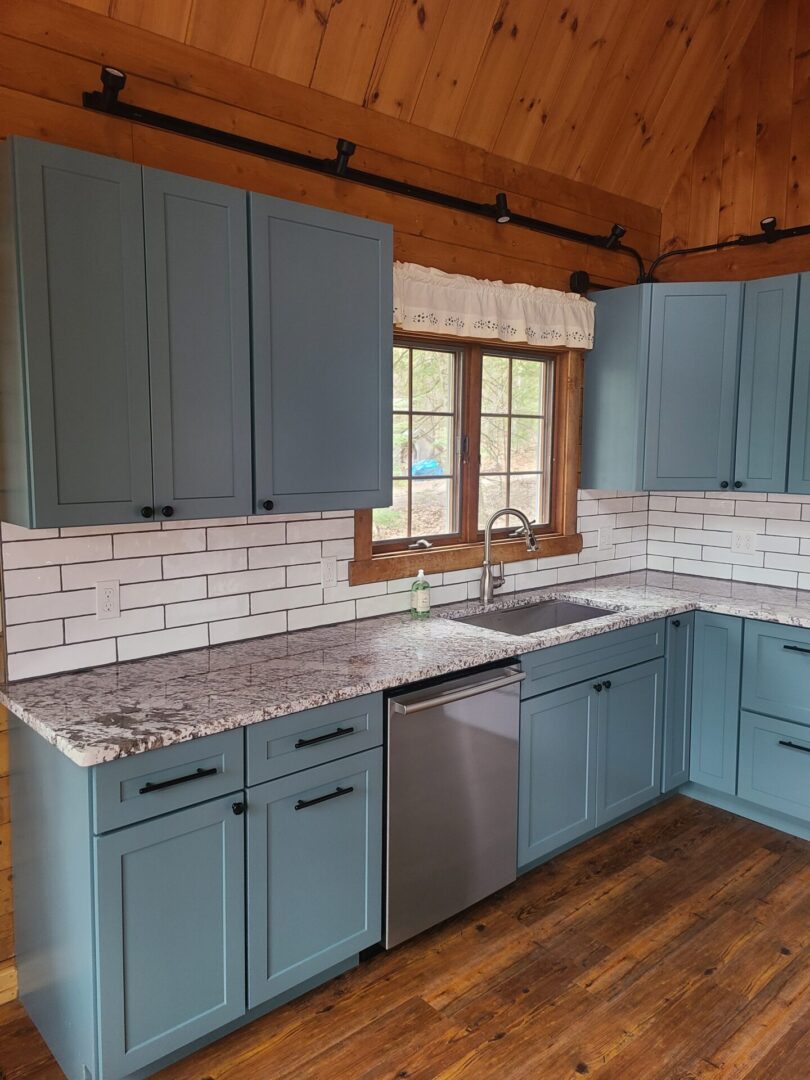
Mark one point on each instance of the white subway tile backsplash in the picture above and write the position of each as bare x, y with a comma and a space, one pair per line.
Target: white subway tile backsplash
284, 599
124, 571
162, 641
246, 581
283, 555
40, 635
60, 605
48, 661
274, 622
330, 529
204, 562
91, 628
137, 545
24, 553
241, 536
44, 579
149, 593
207, 611
322, 615
305, 574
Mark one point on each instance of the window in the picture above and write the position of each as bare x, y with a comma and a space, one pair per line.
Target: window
476, 427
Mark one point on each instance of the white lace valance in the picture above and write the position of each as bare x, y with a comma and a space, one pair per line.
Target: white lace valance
432, 301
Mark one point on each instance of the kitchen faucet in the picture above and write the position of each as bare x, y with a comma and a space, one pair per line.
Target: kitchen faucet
490, 581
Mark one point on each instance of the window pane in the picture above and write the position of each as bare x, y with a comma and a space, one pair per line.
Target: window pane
433, 381
494, 449
402, 447
528, 384
492, 497
432, 446
432, 509
525, 495
495, 384
392, 522
401, 379
527, 446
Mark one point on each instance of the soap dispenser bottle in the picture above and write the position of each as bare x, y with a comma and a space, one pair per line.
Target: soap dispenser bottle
420, 597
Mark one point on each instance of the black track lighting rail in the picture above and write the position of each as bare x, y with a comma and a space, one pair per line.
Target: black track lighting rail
113, 81
769, 235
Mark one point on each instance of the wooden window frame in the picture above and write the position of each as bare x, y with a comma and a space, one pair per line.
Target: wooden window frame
388, 561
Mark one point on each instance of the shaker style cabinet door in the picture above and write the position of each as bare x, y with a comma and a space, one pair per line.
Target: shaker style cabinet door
766, 380
199, 346
79, 234
314, 871
716, 701
692, 386
678, 701
170, 933
799, 463
322, 358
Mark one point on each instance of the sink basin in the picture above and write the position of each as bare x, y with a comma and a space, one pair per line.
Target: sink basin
546, 615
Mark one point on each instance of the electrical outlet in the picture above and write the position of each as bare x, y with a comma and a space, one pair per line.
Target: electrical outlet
329, 572
743, 541
605, 538
108, 601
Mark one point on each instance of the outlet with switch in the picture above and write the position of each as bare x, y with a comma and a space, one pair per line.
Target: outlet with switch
329, 572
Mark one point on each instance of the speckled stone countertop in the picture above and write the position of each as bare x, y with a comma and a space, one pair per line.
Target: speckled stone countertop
109, 712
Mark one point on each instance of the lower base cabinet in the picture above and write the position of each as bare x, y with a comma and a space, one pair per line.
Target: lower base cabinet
680, 640
589, 753
170, 897
314, 871
775, 764
716, 701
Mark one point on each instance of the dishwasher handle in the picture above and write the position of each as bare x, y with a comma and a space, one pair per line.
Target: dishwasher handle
459, 695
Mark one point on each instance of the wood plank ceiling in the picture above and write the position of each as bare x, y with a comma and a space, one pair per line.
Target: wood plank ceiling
613, 93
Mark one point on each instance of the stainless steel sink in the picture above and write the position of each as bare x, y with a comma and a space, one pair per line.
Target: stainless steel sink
532, 618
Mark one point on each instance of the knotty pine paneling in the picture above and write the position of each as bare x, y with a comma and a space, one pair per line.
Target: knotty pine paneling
609, 92
752, 159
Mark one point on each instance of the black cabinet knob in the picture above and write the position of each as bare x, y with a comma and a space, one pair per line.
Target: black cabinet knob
607, 684
724, 483
167, 511
147, 512
267, 504
738, 483
676, 622
597, 687
238, 808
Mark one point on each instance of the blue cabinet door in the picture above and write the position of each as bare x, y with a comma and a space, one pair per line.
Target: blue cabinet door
766, 380
557, 784
170, 933
629, 742
314, 871
678, 701
716, 701
80, 249
322, 358
199, 345
799, 463
692, 386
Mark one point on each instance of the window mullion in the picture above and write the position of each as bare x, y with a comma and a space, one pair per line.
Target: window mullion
472, 430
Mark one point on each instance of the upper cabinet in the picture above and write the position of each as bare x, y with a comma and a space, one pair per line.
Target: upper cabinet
799, 468
689, 387
129, 385
322, 340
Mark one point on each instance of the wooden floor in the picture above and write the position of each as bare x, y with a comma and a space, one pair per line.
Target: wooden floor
674, 947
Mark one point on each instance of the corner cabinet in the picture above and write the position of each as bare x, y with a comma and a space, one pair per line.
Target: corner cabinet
322, 340
689, 388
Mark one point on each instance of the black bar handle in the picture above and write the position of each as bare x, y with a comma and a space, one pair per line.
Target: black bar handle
336, 734
198, 775
795, 648
302, 804
794, 745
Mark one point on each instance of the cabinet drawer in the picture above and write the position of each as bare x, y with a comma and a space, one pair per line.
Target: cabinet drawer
145, 785
288, 744
575, 661
776, 670
775, 764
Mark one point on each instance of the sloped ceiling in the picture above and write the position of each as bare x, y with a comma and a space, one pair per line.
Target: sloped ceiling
614, 93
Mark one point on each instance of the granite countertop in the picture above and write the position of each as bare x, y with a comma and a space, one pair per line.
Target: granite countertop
109, 712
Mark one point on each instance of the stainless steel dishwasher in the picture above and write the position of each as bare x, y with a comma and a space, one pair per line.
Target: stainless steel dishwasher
452, 757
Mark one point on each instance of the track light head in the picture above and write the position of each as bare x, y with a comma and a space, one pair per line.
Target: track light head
768, 226
502, 211
345, 149
113, 82
616, 233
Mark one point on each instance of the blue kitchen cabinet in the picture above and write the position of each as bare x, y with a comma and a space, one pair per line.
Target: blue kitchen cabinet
170, 900
199, 345
799, 461
766, 381
775, 764
776, 670
716, 701
557, 783
678, 701
322, 341
314, 871
628, 759
75, 402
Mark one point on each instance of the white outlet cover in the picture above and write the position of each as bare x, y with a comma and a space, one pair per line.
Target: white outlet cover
329, 572
605, 538
744, 542
108, 600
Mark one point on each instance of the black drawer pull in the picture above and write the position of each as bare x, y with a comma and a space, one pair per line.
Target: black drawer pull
795, 648
302, 804
794, 745
198, 775
336, 734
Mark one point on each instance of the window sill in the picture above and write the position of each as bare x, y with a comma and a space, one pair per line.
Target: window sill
390, 567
